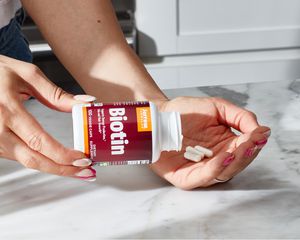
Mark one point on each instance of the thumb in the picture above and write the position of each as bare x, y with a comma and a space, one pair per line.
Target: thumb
53, 96
43, 89
56, 98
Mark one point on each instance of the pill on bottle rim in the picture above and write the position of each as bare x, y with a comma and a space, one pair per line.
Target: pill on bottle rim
192, 157
194, 151
207, 152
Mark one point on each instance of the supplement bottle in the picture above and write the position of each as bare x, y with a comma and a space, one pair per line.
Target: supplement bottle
125, 132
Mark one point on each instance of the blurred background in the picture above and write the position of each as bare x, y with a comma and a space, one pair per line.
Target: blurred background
192, 43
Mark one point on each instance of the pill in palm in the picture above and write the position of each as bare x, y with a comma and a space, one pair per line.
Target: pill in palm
193, 157
207, 152
194, 151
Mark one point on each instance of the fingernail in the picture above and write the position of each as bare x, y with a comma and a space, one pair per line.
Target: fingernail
267, 133
250, 151
92, 179
84, 162
85, 98
86, 174
260, 144
228, 160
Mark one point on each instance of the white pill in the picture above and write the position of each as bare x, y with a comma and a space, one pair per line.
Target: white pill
194, 151
192, 157
207, 152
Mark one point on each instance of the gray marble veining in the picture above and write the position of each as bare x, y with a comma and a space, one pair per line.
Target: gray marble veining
132, 202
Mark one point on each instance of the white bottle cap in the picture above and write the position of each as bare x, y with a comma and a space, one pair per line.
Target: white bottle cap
170, 131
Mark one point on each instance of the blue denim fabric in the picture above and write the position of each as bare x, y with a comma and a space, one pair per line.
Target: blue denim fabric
12, 41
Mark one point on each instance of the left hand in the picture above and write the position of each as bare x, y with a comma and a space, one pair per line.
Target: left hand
207, 122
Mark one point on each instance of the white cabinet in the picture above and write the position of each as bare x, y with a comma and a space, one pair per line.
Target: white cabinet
183, 32
201, 26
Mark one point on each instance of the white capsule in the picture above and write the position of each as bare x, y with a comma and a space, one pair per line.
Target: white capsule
194, 151
207, 152
192, 157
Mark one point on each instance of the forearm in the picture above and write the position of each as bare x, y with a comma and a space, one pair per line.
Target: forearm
87, 39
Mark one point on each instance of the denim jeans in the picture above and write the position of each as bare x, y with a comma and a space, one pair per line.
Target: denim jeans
12, 41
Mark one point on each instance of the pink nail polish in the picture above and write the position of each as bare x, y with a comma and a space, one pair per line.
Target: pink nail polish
93, 171
228, 160
250, 151
260, 144
267, 133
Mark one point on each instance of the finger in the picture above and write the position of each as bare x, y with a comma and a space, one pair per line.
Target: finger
258, 134
203, 173
45, 90
17, 150
264, 130
248, 147
234, 116
25, 126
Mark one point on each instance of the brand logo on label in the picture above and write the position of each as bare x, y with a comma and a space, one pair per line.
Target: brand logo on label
143, 115
118, 137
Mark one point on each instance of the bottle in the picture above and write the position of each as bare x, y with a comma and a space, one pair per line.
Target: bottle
124, 133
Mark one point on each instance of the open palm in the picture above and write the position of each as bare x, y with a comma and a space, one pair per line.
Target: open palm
209, 122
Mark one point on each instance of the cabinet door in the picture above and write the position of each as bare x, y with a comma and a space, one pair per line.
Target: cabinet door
199, 26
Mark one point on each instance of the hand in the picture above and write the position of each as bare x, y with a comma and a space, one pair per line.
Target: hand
207, 122
21, 137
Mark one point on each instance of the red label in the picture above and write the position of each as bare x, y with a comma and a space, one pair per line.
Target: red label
118, 133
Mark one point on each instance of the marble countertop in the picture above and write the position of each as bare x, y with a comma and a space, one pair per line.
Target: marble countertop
132, 202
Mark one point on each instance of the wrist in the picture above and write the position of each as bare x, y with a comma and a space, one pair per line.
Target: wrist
160, 104
153, 94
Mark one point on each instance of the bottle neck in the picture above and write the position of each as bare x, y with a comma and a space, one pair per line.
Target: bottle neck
170, 132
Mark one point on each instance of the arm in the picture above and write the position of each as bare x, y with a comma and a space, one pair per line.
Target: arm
86, 37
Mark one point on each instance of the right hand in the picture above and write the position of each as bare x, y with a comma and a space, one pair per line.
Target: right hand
22, 138
209, 122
